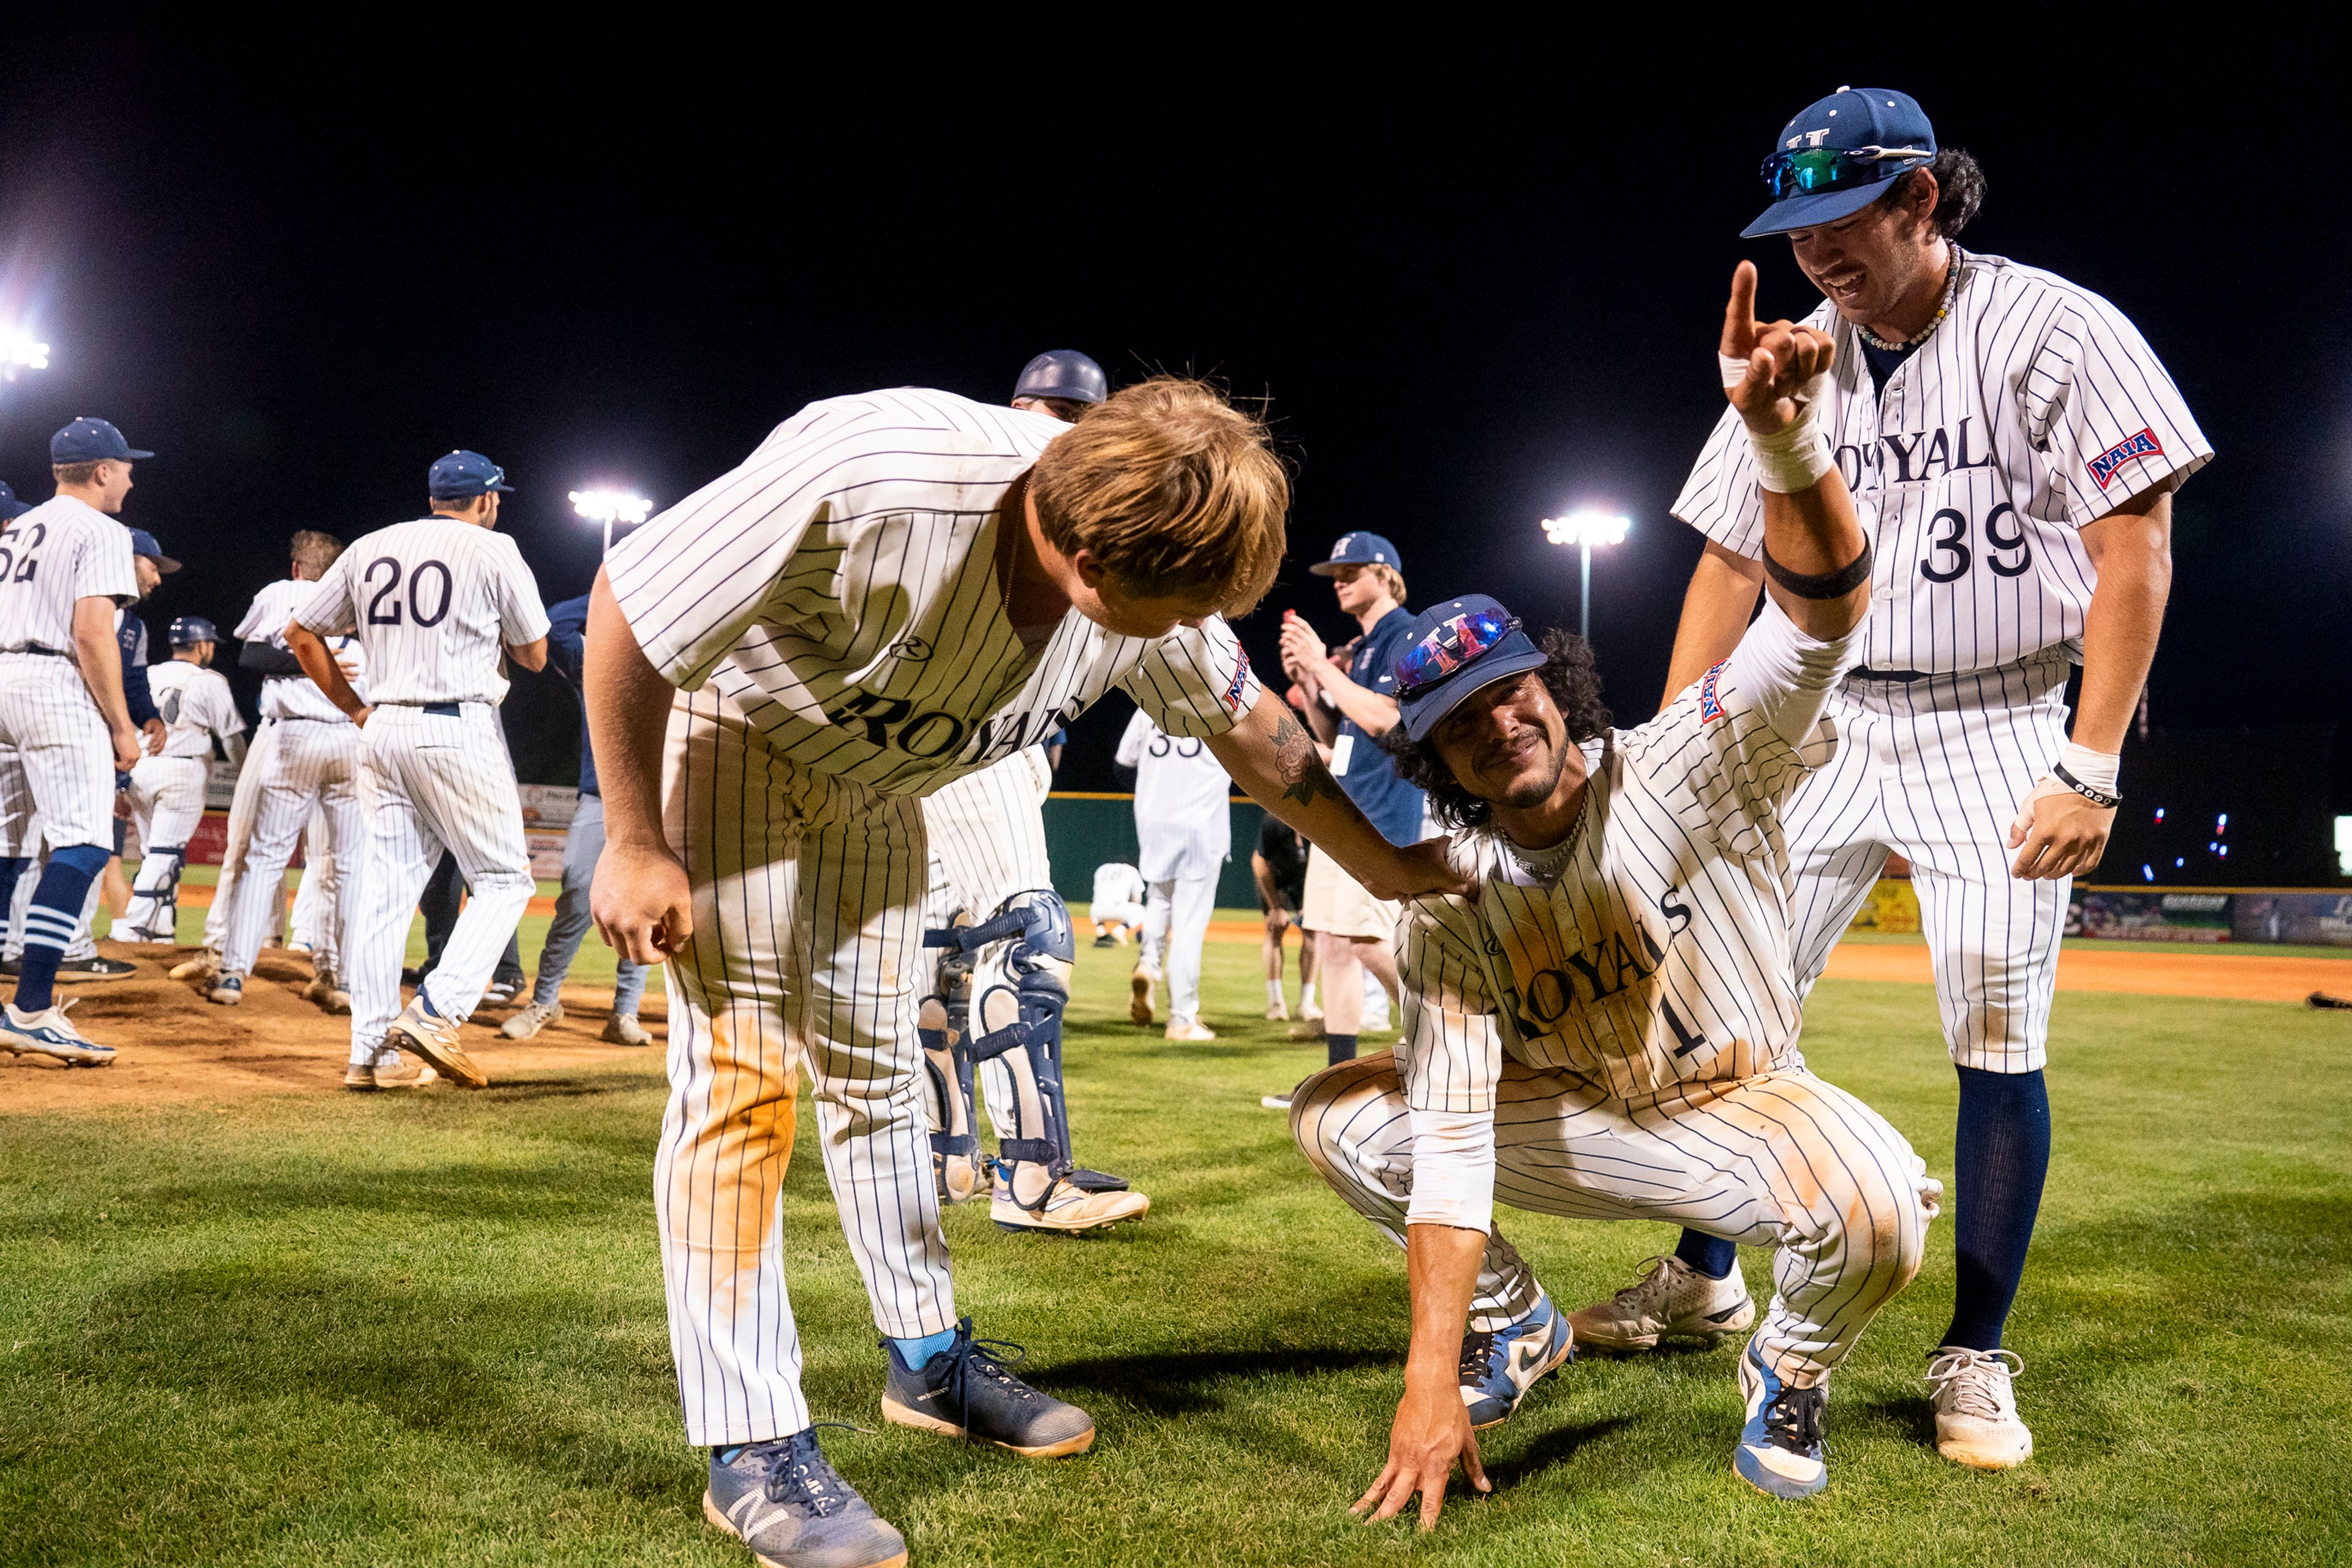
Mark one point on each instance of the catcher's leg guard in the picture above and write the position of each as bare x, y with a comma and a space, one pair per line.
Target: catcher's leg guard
956, 1163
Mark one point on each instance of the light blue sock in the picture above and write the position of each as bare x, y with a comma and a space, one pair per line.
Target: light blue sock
915, 1352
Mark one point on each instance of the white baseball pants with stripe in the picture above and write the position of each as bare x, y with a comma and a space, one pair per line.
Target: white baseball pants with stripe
1176, 923
987, 834
57, 761
437, 781
167, 802
243, 803
1934, 768
317, 919
314, 766
808, 929
1101, 915
1781, 1159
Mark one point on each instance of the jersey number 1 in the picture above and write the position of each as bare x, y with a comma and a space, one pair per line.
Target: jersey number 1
383, 605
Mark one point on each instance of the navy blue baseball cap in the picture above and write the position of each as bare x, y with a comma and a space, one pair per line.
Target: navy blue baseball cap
1358, 548
1062, 373
88, 440
1837, 156
463, 475
188, 631
1452, 651
9, 505
144, 543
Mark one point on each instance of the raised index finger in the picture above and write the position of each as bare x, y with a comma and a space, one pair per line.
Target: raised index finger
1739, 315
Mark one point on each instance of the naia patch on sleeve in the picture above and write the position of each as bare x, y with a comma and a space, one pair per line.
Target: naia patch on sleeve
1710, 707
1241, 680
2131, 448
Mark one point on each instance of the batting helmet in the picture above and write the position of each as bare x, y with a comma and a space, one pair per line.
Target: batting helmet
1062, 373
188, 631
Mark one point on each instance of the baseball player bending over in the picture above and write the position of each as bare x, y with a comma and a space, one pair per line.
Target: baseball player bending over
2015, 442
65, 729
1610, 1032
1116, 912
167, 792
433, 602
894, 589
1185, 825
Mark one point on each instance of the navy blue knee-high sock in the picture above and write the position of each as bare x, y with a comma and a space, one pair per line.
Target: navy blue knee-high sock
11, 867
2001, 1156
1710, 1254
51, 920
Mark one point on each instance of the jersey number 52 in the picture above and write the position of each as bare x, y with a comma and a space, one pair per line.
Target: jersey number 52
17, 561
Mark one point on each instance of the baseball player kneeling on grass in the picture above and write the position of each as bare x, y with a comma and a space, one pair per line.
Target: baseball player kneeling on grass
894, 589
167, 792
1610, 1032
1118, 911
433, 602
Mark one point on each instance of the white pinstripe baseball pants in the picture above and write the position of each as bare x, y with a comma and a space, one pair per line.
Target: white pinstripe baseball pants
808, 911
167, 802
987, 837
317, 918
243, 803
316, 764
1934, 768
437, 781
82, 944
55, 759
1176, 922
1781, 1159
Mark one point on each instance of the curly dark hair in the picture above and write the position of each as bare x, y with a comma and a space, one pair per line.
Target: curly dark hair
1574, 680
1959, 189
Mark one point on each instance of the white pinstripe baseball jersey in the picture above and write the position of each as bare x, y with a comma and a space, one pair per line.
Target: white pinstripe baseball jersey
1183, 811
840, 587
196, 703
432, 601
2034, 409
1652, 946
60, 552
1117, 883
297, 695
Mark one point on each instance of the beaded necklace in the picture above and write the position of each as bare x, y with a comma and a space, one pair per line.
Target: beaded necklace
1951, 292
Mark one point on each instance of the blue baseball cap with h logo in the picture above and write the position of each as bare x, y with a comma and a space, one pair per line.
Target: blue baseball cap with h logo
88, 440
1840, 154
1358, 548
463, 475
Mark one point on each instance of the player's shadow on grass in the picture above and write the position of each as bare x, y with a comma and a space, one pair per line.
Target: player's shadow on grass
1189, 1384
1557, 1447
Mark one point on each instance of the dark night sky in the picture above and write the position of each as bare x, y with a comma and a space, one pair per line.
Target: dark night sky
300, 268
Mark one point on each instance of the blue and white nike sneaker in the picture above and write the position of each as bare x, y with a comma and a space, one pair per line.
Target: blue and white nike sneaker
1498, 1368
1780, 1449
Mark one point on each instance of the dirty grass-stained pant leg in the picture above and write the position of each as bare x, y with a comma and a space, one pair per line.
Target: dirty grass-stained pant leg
808, 895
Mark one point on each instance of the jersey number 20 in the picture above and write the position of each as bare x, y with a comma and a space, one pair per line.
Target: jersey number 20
383, 605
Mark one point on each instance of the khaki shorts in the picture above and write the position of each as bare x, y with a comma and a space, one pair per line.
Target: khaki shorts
1337, 905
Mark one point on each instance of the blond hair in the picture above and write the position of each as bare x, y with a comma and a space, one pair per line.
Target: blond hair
1175, 490
315, 551
1390, 578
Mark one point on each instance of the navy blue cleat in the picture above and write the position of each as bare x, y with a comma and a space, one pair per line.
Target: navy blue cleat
1498, 1368
784, 1501
966, 1391
1780, 1452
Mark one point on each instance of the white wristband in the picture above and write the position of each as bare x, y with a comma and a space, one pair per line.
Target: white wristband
1793, 457
2098, 769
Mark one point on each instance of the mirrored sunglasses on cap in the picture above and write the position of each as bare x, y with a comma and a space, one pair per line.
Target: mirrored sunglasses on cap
1450, 645
1810, 171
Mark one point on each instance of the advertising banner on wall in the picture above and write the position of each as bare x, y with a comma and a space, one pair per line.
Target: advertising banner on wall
2317, 919
2152, 917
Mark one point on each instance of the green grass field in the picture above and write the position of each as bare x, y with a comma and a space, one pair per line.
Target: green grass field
429, 1329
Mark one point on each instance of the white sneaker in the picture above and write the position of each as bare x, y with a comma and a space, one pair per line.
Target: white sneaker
202, 964
48, 1034
531, 1020
1189, 1029
1139, 994
1976, 1407
1278, 1012
622, 1029
1067, 1207
390, 1070
435, 1039
1672, 1300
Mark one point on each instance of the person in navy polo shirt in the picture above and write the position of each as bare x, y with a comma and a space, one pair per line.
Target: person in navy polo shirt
1350, 708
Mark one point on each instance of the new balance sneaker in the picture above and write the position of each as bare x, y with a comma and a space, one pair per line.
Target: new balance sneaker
201, 965
967, 1392
1673, 1301
791, 1507
1139, 994
1066, 1208
1498, 1368
1189, 1031
48, 1034
390, 1070
435, 1039
622, 1029
1780, 1452
74, 970
533, 1017
1976, 1407
227, 991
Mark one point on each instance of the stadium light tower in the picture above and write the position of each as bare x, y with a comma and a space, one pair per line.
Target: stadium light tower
609, 507
1585, 528
19, 352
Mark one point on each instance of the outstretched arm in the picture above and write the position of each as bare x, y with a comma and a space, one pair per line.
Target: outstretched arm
1432, 1430
1271, 756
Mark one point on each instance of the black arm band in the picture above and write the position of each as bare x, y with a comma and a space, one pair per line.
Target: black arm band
1834, 585
2096, 796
